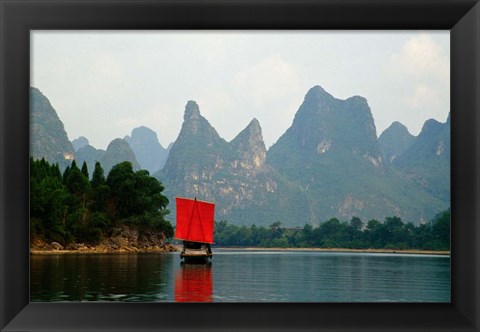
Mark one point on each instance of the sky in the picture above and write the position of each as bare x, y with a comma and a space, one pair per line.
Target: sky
103, 84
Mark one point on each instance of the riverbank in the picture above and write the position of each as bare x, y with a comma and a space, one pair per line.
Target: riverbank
101, 249
104, 250
346, 250
123, 239
126, 241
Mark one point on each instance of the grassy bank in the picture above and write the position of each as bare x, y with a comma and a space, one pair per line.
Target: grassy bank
379, 251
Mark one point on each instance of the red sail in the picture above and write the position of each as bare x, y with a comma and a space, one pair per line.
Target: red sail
194, 220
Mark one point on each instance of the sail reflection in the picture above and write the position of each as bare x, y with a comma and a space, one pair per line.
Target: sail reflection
193, 283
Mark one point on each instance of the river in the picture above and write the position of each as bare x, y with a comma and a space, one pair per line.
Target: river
241, 276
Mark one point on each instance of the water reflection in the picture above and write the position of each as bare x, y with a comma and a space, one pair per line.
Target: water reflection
241, 276
126, 277
193, 283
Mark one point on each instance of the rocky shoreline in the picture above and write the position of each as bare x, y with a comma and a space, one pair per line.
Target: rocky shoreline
103, 250
100, 249
122, 240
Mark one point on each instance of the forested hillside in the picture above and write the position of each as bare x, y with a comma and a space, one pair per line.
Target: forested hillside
70, 208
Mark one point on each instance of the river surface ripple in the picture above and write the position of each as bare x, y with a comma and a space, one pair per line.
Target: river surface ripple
241, 276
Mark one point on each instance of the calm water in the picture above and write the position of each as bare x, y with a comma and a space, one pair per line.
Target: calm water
242, 276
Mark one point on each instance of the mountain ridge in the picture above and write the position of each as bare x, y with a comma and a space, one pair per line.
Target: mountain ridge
329, 140
394, 141
328, 163
49, 138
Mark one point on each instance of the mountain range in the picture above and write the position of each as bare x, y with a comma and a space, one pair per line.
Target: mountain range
329, 163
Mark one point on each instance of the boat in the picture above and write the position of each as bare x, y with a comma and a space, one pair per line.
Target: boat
195, 228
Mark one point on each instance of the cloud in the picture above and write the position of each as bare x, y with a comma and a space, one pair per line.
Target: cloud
420, 80
268, 79
423, 97
421, 57
266, 89
103, 84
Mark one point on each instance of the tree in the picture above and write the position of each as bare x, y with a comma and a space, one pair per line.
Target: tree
441, 230
55, 172
135, 197
356, 224
77, 183
149, 191
422, 238
85, 170
100, 191
66, 172
355, 233
395, 235
391, 234
331, 233
98, 176
307, 234
48, 198
71, 208
276, 230
373, 234
121, 181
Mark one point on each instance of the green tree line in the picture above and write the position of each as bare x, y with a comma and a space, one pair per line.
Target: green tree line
392, 233
72, 207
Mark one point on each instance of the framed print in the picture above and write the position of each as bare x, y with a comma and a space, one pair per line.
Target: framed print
43, 42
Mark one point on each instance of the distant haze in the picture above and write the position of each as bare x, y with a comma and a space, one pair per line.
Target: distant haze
104, 84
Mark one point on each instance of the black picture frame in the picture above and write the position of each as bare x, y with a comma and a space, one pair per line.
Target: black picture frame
18, 17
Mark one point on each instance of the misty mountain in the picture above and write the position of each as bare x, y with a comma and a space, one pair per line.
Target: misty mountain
48, 138
394, 141
79, 143
329, 163
427, 160
232, 174
332, 151
150, 154
117, 151
90, 155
